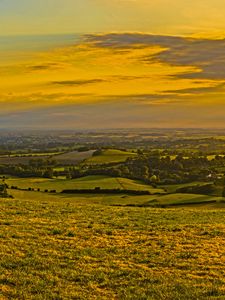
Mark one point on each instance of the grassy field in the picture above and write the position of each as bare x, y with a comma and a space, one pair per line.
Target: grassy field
69, 158
171, 188
154, 200
24, 160
54, 247
110, 156
40, 154
88, 182
184, 199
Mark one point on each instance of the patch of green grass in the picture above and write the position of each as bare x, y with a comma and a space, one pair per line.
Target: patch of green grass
179, 199
88, 182
59, 169
171, 188
110, 156
64, 158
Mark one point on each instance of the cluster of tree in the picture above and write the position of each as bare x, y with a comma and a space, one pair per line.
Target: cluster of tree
27, 170
3, 191
157, 169
150, 166
98, 190
30, 189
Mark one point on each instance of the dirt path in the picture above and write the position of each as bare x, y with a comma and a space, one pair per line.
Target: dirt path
120, 183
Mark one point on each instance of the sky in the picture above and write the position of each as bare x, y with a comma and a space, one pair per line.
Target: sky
69, 64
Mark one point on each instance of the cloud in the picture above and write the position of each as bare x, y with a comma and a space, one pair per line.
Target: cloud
116, 80
77, 82
206, 55
198, 90
42, 67
13, 103
140, 98
129, 40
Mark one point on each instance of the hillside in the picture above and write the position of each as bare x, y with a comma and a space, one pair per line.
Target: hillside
70, 248
88, 182
110, 156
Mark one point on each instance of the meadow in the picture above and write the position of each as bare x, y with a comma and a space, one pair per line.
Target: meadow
67, 158
110, 156
84, 247
87, 182
17, 160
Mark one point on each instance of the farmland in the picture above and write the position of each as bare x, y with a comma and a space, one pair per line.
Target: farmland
89, 182
16, 160
74, 157
67, 158
96, 243
110, 156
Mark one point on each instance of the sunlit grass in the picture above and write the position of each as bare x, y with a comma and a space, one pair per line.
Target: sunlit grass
55, 247
88, 182
110, 156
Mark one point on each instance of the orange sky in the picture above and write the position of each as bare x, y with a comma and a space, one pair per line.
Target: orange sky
138, 74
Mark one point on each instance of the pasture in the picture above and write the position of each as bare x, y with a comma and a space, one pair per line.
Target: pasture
110, 156
17, 160
56, 247
68, 158
88, 182
171, 188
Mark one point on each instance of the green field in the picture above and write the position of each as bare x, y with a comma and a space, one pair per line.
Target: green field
110, 156
154, 200
184, 199
24, 160
88, 182
31, 155
171, 188
68, 158
55, 247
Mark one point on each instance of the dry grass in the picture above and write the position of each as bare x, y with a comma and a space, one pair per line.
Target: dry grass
71, 248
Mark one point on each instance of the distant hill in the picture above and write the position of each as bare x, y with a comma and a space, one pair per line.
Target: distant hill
110, 156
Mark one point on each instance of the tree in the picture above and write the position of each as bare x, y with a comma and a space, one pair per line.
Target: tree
154, 179
48, 173
223, 192
3, 190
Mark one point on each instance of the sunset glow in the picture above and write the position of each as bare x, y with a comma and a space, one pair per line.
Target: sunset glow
143, 64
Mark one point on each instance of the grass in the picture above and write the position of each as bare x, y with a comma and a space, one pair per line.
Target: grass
69, 158
126, 200
87, 182
59, 169
179, 199
110, 156
55, 247
24, 160
171, 188
31, 154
